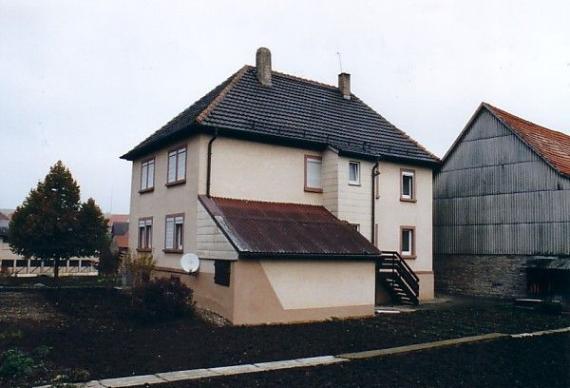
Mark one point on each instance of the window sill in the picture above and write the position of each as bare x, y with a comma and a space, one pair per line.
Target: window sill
412, 200
405, 257
173, 251
354, 183
144, 191
144, 250
181, 182
313, 190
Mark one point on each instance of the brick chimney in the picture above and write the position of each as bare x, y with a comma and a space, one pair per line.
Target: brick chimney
263, 65
344, 85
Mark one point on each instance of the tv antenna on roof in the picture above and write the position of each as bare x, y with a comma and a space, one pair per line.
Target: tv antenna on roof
339, 60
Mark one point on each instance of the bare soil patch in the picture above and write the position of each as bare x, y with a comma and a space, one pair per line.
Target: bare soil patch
92, 330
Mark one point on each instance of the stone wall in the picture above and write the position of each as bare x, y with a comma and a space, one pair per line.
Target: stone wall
475, 275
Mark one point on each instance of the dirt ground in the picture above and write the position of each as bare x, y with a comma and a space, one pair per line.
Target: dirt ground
90, 330
528, 362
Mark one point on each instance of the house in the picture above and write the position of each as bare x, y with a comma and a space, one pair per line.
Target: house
119, 228
299, 200
502, 209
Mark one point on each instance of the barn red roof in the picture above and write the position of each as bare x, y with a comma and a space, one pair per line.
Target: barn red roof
552, 146
266, 229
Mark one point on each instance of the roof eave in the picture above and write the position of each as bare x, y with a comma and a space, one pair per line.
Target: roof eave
303, 255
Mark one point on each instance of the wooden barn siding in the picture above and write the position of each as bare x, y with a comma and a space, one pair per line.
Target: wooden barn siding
494, 196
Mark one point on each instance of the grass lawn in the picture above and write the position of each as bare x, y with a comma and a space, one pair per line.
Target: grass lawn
87, 333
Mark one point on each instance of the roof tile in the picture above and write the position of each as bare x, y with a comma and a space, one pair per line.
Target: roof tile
552, 146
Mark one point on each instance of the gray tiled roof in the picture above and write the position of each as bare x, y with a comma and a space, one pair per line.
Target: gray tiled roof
291, 109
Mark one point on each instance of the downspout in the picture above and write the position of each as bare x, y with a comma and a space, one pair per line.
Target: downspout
209, 171
375, 173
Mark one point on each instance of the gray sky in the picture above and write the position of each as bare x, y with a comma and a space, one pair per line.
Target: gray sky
85, 81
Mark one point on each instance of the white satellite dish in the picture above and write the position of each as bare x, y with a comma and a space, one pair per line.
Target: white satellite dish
190, 263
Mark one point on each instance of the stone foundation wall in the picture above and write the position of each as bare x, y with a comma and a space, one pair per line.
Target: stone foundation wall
489, 276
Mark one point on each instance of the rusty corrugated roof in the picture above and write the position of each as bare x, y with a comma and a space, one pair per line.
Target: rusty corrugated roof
552, 146
283, 229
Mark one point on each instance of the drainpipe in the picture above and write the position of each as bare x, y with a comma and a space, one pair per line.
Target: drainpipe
209, 171
375, 173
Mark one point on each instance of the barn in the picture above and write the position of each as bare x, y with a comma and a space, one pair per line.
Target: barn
502, 210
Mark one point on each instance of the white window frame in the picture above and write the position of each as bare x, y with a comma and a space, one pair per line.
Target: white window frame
145, 234
355, 182
411, 253
147, 174
175, 162
174, 233
412, 195
313, 160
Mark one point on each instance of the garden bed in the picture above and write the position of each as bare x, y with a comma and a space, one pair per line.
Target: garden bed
91, 330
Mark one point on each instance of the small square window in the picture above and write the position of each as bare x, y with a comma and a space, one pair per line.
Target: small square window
313, 166
408, 189
222, 272
407, 242
354, 173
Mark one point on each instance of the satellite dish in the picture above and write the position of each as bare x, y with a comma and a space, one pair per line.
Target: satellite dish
190, 263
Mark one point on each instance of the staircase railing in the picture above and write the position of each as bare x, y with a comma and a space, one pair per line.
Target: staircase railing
401, 274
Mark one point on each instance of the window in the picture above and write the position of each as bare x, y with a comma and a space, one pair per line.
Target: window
176, 166
173, 241
222, 271
313, 174
408, 186
407, 242
356, 227
354, 173
147, 175
145, 234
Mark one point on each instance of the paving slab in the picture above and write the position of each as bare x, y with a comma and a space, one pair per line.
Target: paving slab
542, 332
276, 365
191, 374
422, 346
131, 381
321, 360
92, 384
236, 369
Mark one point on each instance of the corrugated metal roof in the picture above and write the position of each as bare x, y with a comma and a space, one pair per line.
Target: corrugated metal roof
295, 109
283, 229
553, 146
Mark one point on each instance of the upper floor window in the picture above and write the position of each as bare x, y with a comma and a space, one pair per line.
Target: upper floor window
147, 175
313, 173
145, 234
407, 242
354, 173
176, 166
174, 233
407, 185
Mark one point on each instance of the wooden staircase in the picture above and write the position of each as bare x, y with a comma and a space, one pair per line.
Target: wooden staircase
398, 278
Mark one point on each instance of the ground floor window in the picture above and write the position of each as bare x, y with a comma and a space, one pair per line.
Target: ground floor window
145, 233
222, 272
174, 233
407, 241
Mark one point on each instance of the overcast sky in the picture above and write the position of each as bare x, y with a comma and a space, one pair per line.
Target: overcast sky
85, 81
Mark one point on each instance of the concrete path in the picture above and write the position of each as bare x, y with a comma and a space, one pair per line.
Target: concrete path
193, 374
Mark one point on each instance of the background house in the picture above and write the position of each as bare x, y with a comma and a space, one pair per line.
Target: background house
12, 264
264, 137
502, 209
